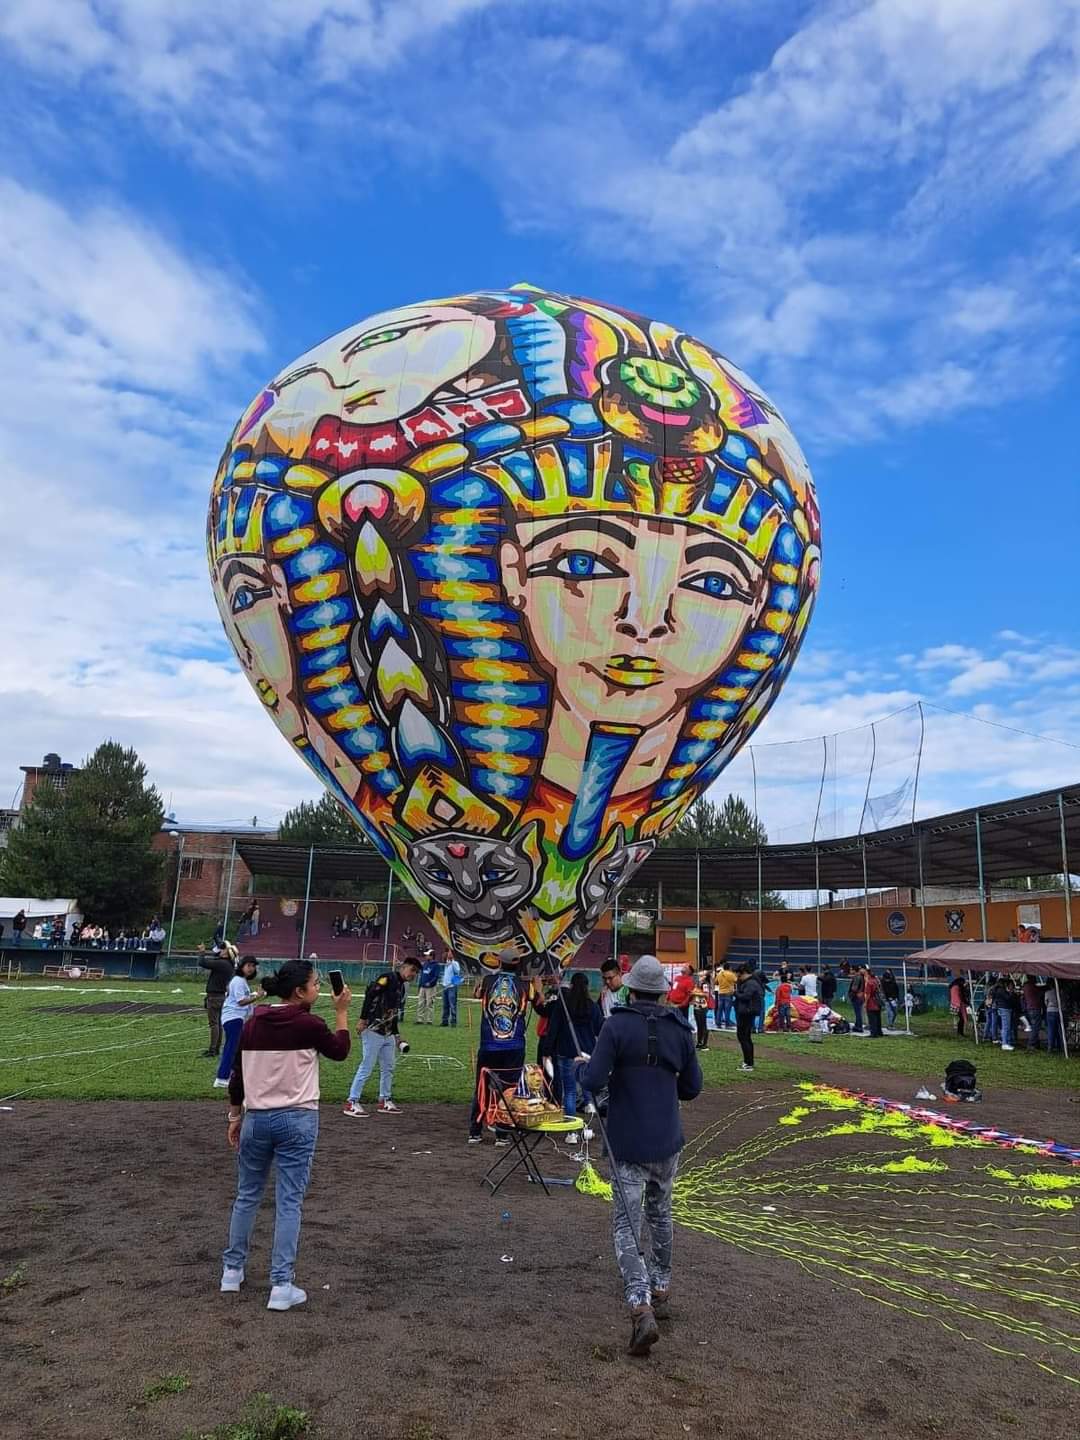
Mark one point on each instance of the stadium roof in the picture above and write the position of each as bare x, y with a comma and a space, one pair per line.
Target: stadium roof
1018, 837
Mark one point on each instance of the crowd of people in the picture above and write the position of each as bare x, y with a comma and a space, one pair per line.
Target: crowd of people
630, 1056
1010, 1011
55, 932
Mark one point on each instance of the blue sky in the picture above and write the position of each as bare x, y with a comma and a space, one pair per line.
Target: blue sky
872, 207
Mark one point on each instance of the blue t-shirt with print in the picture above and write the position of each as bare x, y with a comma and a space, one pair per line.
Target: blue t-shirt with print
503, 1007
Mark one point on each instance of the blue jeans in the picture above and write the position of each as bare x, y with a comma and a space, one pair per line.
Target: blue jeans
856, 1005
285, 1138
570, 1085
725, 1006
783, 1017
891, 1005
232, 1030
1053, 1030
991, 1031
380, 1050
449, 1005
1005, 1020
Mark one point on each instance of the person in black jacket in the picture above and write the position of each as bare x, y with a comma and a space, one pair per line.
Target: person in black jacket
645, 1055
891, 992
222, 969
828, 985
585, 1013
383, 1007
749, 998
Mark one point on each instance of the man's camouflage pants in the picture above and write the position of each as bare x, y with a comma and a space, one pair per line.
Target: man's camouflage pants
649, 1182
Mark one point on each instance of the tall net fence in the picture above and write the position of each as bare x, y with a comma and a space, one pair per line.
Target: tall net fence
920, 761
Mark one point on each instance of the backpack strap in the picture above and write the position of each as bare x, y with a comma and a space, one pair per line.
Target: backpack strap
652, 1057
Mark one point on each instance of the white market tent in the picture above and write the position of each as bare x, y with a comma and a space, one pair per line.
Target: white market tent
1057, 961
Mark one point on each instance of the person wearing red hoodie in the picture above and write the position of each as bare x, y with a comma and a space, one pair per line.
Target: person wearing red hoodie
274, 1119
682, 992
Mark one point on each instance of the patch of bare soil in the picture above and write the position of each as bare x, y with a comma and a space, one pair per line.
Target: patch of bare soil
431, 1316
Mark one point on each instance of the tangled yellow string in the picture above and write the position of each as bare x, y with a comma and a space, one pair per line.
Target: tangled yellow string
940, 1243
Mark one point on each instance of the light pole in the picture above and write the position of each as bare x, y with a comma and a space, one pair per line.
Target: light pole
176, 835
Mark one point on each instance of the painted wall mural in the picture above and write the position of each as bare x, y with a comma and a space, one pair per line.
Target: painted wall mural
516, 574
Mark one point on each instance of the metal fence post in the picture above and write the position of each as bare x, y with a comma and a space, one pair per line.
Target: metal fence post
307, 899
1066, 878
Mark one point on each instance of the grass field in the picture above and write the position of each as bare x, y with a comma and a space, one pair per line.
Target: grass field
50, 1048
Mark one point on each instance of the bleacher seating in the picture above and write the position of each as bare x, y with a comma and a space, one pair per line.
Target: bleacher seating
278, 936
884, 954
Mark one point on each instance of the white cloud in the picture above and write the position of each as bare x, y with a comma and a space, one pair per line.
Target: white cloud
983, 675
946, 655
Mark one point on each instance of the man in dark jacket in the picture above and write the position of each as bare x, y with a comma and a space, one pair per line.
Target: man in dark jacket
384, 1006
222, 969
645, 1056
749, 998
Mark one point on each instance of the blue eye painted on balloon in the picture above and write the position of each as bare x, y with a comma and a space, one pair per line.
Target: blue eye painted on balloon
439, 875
245, 596
577, 565
493, 877
717, 586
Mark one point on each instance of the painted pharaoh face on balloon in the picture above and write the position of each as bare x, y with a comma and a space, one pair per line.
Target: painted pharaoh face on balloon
517, 574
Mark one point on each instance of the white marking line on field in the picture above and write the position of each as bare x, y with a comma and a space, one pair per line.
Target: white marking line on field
83, 989
93, 1022
96, 1050
67, 1079
430, 1060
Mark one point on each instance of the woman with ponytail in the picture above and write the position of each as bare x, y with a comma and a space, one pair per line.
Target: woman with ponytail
274, 1119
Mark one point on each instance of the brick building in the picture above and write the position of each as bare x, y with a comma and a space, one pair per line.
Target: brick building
51, 771
209, 869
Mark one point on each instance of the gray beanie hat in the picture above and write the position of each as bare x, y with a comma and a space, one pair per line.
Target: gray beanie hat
647, 976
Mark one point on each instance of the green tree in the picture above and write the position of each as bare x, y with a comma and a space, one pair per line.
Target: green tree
319, 822
709, 826
92, 840
323, 823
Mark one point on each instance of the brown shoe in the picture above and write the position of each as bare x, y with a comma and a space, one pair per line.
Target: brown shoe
660, 1304
645, 1332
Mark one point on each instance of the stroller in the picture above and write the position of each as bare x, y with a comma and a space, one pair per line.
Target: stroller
960, 1080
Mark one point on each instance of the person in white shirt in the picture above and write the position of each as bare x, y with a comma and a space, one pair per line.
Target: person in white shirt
238, 998
808, 984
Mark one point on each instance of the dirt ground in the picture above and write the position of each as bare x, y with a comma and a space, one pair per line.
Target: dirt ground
417, 1328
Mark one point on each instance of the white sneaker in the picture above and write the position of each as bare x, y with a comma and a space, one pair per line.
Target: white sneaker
221, 1084
231, 1280
749, 1069
476, 1140
1008, 1047
284, 1297
355, 1110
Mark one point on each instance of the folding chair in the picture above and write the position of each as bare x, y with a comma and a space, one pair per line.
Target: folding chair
524, 1139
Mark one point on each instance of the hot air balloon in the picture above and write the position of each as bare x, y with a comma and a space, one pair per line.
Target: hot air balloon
516, 574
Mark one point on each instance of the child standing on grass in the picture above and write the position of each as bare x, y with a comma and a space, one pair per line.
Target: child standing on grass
783, 1005
238, 998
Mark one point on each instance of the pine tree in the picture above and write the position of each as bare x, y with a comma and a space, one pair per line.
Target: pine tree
92, 841
708, 826
319, 822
